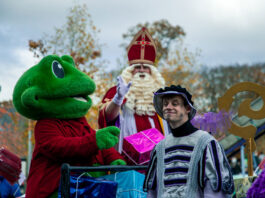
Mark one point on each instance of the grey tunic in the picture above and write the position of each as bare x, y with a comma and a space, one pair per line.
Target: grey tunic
181, 165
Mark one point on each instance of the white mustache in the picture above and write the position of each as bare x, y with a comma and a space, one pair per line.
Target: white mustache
140, 75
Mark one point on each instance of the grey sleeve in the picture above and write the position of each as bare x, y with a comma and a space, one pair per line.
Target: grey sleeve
215, 169
152, 194
209, 193
150, 176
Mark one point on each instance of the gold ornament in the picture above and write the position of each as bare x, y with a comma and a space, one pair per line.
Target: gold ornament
246, 132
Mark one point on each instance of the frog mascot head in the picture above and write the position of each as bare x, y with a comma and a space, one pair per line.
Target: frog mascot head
54, 88
56, 94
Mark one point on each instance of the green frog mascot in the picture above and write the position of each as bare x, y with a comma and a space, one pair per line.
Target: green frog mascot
56, 94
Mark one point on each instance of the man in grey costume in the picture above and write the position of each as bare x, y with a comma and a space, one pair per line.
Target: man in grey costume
188, 162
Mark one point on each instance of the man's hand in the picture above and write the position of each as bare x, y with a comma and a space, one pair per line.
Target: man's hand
107, 137
122, 89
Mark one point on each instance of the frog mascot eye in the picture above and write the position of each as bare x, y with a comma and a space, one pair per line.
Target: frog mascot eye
54, 88
57, 69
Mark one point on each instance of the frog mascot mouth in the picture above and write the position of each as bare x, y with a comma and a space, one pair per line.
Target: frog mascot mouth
54, 88
56, 94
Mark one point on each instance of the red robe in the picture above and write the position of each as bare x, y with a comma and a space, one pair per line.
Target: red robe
142, 122
62, 141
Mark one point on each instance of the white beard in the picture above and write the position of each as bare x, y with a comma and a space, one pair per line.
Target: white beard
140, 95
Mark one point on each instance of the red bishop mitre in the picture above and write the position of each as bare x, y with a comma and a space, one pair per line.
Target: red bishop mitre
142, 48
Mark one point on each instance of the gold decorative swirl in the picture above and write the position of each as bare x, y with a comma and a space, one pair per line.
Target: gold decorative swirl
246, 132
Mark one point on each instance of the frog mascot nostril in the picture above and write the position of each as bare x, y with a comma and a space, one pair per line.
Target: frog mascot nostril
56, 94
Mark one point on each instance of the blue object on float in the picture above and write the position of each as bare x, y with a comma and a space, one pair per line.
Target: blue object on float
83, 186
130, 184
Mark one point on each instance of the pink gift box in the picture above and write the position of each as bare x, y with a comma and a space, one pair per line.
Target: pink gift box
137, 147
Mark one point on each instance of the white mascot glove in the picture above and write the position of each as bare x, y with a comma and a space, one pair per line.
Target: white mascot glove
122, 89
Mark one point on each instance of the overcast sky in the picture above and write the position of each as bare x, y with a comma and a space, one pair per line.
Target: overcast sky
226, 31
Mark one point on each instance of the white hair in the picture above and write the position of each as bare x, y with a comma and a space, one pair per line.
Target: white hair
140, 96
